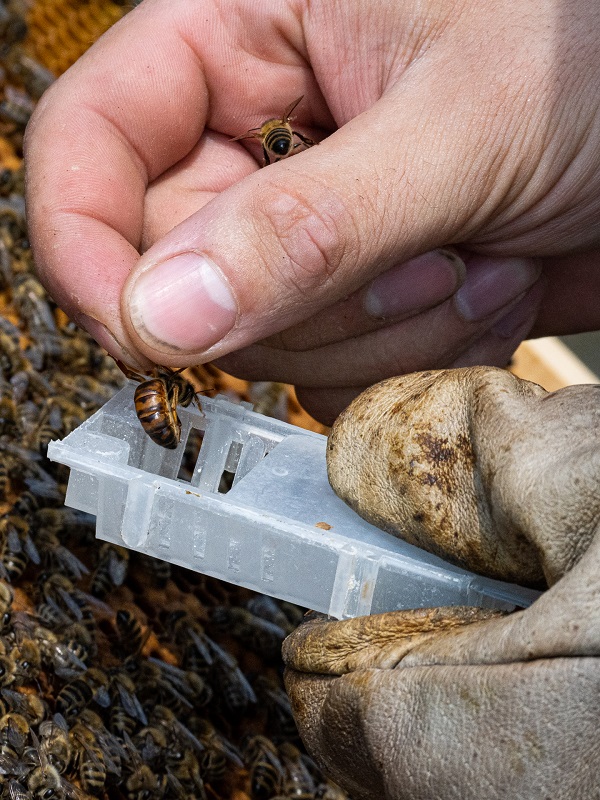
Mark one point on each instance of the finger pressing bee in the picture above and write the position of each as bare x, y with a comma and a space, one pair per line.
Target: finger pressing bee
277, 136
156, 400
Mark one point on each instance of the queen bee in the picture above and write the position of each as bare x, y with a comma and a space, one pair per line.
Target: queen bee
156, 400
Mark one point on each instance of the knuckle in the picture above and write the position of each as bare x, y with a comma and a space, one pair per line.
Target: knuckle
307, 239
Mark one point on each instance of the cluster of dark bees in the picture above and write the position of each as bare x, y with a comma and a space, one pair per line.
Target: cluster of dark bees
22, 78
120, 676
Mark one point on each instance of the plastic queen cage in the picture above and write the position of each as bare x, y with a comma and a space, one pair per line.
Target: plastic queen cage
279, 529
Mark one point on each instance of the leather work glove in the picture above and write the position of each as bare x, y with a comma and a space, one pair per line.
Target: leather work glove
499, 476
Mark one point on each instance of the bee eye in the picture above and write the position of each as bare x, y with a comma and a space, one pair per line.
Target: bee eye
281, 146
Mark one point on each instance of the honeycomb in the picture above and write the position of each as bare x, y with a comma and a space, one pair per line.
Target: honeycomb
60, 31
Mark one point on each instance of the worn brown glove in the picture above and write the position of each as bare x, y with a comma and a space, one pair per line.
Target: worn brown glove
497, 475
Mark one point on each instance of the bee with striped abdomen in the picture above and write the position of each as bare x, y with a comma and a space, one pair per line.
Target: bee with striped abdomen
156, 400
277, 136
266, 772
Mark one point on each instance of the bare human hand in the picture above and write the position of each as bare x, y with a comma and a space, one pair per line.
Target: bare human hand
473, 124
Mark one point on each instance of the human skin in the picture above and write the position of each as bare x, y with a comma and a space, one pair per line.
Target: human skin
473, 123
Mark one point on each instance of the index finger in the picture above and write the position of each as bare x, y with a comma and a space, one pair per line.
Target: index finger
132, 107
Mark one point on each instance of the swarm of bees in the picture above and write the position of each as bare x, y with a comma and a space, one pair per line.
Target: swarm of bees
121, 677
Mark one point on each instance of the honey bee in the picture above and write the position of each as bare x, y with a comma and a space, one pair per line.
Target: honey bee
78, 693
66, 656
55, 555
6, 600
32, 301
219, 753
231, 685
120, 722
17, 791
31, 706
256, 633
8, 667
131, 635
142, 783
46, 783
298, 783
27, 658
55, 744
277, 136
90, 757
189, 634
266, 772
14, 734
159, 571
111, 570
268, 608
35, 77
151, 743
123, 691
279, 709
156, 400
12, 27
165, 719
183, 774
113, 751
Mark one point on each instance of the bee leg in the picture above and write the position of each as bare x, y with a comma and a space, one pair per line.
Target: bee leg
267, 160
128, 372
304, 139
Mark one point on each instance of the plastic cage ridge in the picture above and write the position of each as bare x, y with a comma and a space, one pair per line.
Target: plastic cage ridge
258, 512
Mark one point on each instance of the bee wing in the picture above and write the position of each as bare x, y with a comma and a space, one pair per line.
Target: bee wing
241, 680
117, 568
220, 654
17, 791
70, 790
8, 765
186, 734
290, 108
251, 134
131, 704
13, 541
201, 646
15, 738
61, 617
176, 787
70, 562
168, 686
71, 604
66, 664
30, 549
102, 696
232, 753
149, 749
176, 676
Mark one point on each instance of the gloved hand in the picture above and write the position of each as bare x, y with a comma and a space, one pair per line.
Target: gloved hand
497, 475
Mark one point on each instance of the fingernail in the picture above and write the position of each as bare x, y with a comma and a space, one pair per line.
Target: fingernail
420, 283
182, 304
521, 317
493, 283
106, 340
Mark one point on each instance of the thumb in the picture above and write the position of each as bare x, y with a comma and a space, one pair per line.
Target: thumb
287, 241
